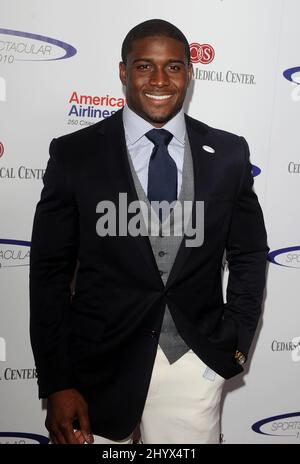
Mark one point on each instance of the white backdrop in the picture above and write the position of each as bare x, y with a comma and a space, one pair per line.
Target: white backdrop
50, 49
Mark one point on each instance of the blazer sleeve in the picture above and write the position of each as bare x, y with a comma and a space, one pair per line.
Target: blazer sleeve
246, 253
52, 262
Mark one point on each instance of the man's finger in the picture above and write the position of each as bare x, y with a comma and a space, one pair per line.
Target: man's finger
79, 437
57, 438
85, 427
68, 435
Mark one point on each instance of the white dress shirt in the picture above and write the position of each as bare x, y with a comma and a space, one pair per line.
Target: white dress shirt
140, 147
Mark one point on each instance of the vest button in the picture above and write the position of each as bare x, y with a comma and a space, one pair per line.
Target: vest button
161, 253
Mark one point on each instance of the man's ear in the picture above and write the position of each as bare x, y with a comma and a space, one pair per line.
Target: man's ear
122, 73
190, 71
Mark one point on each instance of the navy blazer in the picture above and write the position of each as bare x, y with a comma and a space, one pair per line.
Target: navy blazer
103, 341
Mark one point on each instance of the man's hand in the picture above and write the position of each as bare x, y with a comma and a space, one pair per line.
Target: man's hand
136, 435
63, 408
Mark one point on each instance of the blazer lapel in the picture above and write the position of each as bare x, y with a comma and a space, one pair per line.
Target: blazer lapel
203, 174
115, 146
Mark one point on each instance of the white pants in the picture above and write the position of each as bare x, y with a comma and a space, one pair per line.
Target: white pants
183, 403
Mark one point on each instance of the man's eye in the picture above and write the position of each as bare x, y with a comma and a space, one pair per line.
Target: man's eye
144, 66
175, 67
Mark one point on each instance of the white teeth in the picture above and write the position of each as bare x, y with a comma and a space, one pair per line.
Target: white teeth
158, 97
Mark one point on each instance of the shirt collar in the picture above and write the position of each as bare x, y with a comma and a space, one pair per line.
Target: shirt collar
136, 127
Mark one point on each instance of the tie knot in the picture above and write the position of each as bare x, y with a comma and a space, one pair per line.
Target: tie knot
159, 137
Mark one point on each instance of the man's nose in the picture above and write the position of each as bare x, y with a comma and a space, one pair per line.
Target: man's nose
159, 78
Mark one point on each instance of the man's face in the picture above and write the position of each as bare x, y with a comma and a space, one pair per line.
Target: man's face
156, 78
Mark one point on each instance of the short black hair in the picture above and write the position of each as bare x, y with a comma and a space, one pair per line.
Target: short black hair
154, 27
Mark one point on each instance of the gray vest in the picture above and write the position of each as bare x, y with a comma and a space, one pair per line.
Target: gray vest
165, 249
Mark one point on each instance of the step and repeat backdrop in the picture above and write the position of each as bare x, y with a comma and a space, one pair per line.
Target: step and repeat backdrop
59, 73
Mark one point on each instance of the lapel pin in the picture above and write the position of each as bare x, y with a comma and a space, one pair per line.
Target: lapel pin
208, 149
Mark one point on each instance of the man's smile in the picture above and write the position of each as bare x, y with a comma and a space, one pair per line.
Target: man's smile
154, 96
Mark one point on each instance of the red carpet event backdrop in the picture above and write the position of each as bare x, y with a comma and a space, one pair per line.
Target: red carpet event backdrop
59, 73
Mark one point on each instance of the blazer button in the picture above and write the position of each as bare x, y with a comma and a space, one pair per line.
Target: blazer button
153, 333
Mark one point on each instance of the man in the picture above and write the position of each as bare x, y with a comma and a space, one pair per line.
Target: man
146, 337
